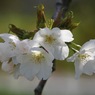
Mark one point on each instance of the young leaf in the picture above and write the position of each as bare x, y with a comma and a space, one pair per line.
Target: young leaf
22, 34
41, 21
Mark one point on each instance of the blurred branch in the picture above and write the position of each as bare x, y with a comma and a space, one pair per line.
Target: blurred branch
38, 90
61, 5
66, 4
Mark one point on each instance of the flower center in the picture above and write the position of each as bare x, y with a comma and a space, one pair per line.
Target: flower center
49, 39
84, 57
37, 56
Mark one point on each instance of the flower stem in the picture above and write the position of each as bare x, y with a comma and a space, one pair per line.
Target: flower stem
74, 50
78, 46
74, 47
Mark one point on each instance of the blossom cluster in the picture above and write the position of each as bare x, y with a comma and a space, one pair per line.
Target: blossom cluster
84, 59
30, 58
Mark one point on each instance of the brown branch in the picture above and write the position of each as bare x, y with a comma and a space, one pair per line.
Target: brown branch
38, 90
64, 4
61, 5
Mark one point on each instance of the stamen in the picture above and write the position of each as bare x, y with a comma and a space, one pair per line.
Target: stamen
49, 39
83, 57
37, 56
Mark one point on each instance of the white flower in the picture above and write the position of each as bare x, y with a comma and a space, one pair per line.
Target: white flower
11, 68
7, 48
37, 62
9, 37
84, 60
13, 46
25, 45
16, 72
54, 41
8, 66
5, 52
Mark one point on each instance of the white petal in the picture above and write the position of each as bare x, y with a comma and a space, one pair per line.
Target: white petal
49, 60
61, 52
56, 32
9, 37
29, 43
72, 58
5, 52
37, 37
48, 57
47, 54
17, 71
45, 31
8, 67
66, 36
45, 72
89, 67
88, 45
22, 47
14, 60
48, 48
33, 43
29, 70
78, 69
22, 58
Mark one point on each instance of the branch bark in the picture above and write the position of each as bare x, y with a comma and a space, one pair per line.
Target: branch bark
38, 90
60, 4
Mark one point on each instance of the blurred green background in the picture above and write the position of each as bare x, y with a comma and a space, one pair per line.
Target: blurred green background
22, 13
